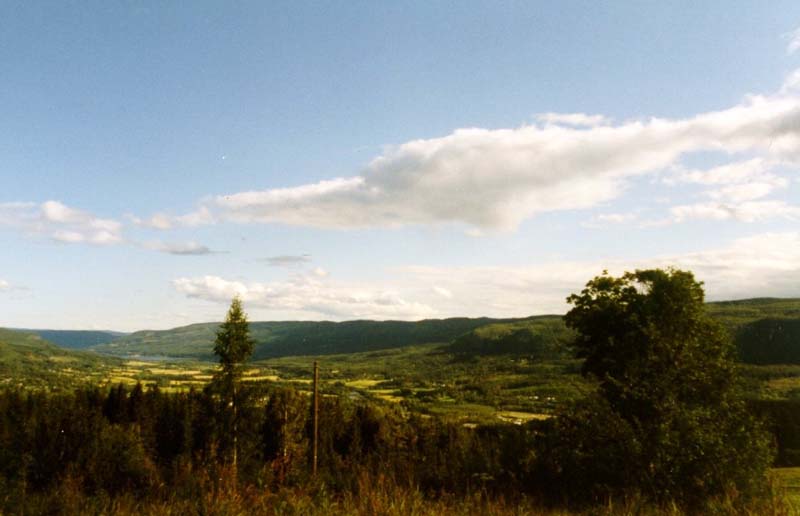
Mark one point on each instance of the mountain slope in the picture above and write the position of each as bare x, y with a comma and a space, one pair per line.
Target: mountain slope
274, 339
76, 339
542, 336
27, 357
764, 331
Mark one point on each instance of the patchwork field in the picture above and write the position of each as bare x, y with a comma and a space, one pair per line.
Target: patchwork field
426, 379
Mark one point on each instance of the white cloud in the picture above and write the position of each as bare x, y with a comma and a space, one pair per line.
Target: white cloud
157, 221
443, 292
737, 193
761, 265
179, 248
751, 211
59, 222
742, 192
736, 182
200, 217
4, 285
756, 169
573, 119
792, 83
307, 296
608, 219
494, 179
794, 41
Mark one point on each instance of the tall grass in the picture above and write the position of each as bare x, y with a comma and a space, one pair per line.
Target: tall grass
372, 495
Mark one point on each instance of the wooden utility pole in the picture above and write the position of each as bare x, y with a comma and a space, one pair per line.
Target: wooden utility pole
316, 418
235, 438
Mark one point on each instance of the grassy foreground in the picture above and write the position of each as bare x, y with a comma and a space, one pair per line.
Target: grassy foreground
380, 496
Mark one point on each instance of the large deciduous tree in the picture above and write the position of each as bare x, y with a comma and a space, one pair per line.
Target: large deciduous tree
667, 420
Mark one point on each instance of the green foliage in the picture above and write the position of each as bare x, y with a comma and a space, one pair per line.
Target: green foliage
783, 420
233, 344
26, 359
667, 389
536, 336
120, 451
539, 338
119, 441
646, 338
430, 380
733, 314
769, 341
283, 440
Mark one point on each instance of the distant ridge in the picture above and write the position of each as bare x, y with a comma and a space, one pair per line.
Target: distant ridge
765, 331
76, 339
288, 338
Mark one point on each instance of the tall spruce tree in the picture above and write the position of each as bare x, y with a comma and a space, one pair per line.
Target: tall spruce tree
233, 346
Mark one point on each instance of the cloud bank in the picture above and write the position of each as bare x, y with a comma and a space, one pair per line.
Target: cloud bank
761, 265
307, 295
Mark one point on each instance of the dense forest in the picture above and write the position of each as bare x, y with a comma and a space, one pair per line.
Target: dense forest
92, 446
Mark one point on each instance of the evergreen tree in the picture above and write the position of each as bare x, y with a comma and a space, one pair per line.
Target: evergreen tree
233, 346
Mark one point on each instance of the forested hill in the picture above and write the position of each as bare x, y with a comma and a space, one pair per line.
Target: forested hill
543, 337
734, 314
765, 330
25, 355
275, 339
76, 339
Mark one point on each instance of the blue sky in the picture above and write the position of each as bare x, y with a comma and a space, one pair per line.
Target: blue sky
388, 160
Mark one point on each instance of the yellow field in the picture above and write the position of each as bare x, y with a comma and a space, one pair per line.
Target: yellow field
122, 379
266, 377
387, 394
363, 383
137, 363
251, 372
781, 386
520, 417
171, 372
